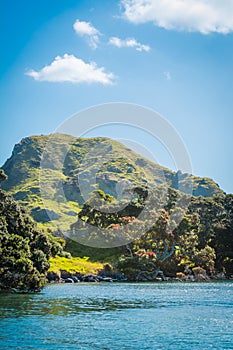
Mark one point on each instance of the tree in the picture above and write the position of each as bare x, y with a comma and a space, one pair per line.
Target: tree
24, 250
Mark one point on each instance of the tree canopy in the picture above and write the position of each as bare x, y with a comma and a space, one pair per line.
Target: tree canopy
24, 250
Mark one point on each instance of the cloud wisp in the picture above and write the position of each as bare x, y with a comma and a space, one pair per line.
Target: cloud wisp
167, 75
72, 69
130, 42
203, 16
87, 31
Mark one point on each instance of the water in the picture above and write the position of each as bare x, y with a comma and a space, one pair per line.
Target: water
119, 316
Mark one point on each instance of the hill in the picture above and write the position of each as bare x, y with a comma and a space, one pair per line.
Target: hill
60, 179
63, 168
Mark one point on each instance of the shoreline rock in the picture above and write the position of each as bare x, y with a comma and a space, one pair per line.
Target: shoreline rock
113, 276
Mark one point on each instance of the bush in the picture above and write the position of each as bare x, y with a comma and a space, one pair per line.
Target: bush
24, 250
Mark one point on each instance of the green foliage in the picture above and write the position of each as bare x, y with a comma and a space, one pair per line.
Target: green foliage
216, 229
203, 238
24, 250
66, 158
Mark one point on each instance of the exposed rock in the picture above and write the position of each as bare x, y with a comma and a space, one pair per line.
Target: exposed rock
69, 280
65, 274
90, 278
71, 213
44, 215
53, 276
220, 276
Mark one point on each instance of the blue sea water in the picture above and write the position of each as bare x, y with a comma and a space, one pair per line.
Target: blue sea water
174, 316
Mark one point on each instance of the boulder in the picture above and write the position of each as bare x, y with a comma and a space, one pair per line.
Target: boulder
69, 280
53, 276
90, 278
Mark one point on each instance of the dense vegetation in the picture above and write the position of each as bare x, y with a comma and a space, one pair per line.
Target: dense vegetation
40, 161
24, 250
199, 244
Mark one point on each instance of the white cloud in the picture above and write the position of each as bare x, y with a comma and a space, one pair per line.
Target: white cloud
167, 75
86, 30
204, 16
72, 69
130, 42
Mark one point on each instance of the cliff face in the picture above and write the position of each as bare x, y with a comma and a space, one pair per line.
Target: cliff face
75, 162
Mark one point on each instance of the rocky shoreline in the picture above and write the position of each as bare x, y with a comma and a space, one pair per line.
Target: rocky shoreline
103, 276
77, 277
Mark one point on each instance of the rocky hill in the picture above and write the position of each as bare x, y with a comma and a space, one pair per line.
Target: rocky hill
56, 173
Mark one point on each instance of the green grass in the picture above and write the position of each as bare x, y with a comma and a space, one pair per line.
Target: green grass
82, 265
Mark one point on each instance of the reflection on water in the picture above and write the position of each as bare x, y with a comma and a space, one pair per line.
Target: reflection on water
21, 305
119, 316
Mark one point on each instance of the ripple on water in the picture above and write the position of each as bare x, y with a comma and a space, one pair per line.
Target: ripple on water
119, 316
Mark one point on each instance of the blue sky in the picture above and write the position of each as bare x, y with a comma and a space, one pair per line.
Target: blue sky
176, 60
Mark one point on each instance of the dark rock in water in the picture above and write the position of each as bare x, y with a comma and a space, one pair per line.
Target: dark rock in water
64, 276
220, 276
53, 276
150, 276
69, 280
110, 273
105, 279
75, 279
90, 278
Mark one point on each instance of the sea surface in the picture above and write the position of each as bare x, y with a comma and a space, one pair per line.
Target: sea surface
111, 316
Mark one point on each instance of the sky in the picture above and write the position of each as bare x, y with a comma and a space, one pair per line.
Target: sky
175, 57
